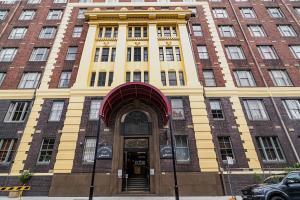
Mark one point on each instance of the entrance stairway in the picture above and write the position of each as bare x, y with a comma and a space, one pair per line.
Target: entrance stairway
137, 184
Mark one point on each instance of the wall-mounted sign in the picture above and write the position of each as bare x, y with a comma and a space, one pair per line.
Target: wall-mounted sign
165, 152
104, 152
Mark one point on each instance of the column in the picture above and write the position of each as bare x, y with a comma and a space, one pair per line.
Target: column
120, 61
154, 63
86, 58
188, 57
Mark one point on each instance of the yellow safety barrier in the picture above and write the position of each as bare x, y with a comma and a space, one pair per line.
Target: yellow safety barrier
14, 188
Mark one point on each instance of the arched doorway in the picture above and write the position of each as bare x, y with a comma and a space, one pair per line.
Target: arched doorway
137, 112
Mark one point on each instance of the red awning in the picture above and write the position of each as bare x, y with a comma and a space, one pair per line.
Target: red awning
128, 92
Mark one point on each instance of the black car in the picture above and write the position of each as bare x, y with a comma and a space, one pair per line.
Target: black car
279, 187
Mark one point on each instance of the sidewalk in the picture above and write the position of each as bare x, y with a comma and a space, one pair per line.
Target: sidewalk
121, 198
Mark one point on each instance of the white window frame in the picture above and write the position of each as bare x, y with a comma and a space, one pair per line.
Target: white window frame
59, 1
7, 54
275, 12
209, 78
220, 13
256, 30
33, 1
39, 54
275, 147
235, 52
216, 104
267, 52
64, 79
56, 111
94, 109
29, 80
226, 31
9, 149
11, 112
177, 109
48, 32
27, 15
77, 31
295, 49
46, 150
292, 107
248, 13
256, 110
89, 150
244, 76
81, 13
17, 33
71, 53
2, 76
197, 30
186, 148
280, 78
286, 30
54, 14
202, 52
3, 14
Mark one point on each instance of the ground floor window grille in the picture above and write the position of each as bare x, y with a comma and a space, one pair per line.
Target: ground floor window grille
89, 150
182, 148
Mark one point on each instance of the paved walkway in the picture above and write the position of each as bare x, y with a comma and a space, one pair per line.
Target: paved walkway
122, 198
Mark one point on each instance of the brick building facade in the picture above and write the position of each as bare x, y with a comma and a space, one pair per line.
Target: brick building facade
229, 69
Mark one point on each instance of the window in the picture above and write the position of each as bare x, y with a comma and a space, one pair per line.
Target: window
110, 78
64, 79
47, 33
46, 151
71, 54
161, 54
129, 54
275, 12
17, 111
113, 55
297, 10
163, 78
93, 77
77, 32
270, 149
169, 54
292, 107
33, 1
182, 148
220, 13
3, 14
94, 109
286, 30
54, 14
209, 77
248, 13
255, 110
29, 80
9, 1
172, 78
267, 52
127, 77
89, 150
105, 55
60, 1
193, 9
39, 54
137, 77
216, 109
97, 52
145, 54
7, 148
7, 54
166, 31
280, 78
81, 13
202, 52
235, 52
137, 54
137, 32
56, 111
2, 76
197, 30
181, 78
226, 31
295, 49
177, 51
225, 148
27, 15
101, 78
256, 31
177, 109
244, 78
18, 33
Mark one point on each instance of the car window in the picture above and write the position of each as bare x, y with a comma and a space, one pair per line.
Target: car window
273, 179
295, 177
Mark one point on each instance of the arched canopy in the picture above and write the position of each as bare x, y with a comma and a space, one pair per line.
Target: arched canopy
135, 91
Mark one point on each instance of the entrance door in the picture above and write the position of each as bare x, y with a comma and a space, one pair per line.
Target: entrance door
136, 166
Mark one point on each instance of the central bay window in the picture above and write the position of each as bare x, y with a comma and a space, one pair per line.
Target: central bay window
7, 148
169, 53
107, 54
137, 32
56, 111
182, 148
135, 54
46, 151
29, 80
101, 78
17, 111
292, 107
108, 32
89, 150
172, 79
166, 31
270, 149
255, 109
94, 109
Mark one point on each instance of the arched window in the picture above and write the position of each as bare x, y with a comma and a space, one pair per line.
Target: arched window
136, 123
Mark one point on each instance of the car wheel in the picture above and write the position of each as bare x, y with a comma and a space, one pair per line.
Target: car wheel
277, 198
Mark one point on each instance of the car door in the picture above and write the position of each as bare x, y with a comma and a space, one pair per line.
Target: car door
293, 188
